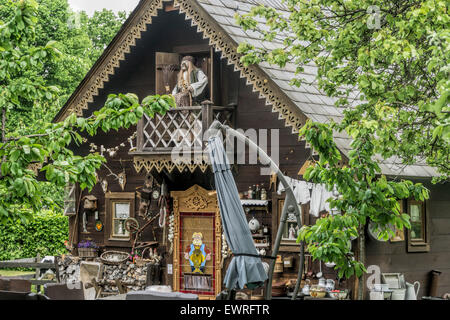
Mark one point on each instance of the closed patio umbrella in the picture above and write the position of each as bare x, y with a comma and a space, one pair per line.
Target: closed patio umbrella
246, 267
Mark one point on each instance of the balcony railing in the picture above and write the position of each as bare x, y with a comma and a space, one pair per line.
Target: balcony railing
180, 127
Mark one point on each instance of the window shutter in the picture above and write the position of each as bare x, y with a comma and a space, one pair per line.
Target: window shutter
167, 67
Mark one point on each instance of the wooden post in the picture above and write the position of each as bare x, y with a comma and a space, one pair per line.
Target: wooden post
38, 271
140, 134
207, 115
57, 270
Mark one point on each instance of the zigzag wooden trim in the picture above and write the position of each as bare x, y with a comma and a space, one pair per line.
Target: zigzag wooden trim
107, 67
222, 42
218, 38
159, 163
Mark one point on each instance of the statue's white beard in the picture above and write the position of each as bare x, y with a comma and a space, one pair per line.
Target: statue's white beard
185, 75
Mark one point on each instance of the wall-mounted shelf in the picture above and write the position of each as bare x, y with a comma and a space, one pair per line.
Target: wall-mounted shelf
255, 205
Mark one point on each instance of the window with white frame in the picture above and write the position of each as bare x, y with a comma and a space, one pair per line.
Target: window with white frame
121, 212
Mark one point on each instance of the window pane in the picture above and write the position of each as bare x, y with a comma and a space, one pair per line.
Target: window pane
122, 210
69, 200
119, 228
416, 221
69, 207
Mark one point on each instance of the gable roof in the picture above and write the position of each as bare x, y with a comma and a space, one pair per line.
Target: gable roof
215, 19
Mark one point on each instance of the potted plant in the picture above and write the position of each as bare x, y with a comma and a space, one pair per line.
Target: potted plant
87, 249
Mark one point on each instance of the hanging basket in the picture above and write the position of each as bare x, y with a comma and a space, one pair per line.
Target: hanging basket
114, 257
141, 261
87, 252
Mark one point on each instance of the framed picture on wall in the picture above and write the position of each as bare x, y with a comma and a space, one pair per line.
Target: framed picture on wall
197, 243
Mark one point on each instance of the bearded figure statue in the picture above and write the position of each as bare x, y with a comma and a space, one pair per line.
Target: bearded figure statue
191, 84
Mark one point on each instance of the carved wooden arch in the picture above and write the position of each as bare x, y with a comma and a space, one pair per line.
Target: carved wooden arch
196, 200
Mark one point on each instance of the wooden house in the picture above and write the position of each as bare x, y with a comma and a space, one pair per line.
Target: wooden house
144, 58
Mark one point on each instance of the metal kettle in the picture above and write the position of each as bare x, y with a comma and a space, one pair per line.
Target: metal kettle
411, 292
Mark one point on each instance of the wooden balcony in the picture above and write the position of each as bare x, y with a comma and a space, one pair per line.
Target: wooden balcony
182, 127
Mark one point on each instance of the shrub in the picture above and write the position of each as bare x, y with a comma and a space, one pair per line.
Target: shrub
44, 234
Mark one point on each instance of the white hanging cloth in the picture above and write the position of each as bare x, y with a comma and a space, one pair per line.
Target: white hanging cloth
319, 198
316, 197
299, 188
301, 192
325, 196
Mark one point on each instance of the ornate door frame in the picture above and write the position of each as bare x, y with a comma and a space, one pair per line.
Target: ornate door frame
196, 200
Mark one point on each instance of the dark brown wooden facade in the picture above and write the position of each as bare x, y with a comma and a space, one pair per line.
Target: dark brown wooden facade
169, 32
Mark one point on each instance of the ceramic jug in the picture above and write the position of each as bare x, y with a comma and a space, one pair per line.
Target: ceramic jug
305, 289
398, 294
411, 292
322, 282
329, 285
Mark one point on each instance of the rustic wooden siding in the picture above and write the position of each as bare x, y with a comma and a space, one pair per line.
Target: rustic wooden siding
393, 257
137, 74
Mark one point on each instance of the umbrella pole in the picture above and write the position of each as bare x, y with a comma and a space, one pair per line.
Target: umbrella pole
290, 203
300, 270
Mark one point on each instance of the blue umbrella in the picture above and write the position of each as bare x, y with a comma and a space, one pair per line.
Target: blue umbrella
246, 268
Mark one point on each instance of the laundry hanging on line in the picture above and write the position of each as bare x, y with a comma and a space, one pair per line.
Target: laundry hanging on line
317, 197
299, 188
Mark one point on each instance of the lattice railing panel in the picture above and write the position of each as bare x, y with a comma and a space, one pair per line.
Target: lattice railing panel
181, 127
176, 128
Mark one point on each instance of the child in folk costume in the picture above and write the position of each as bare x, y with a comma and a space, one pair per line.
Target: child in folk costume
197, 253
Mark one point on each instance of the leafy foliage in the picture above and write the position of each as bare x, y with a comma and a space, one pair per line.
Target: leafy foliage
79, 38
21, 192
101, 28
394, 55
44, 234
365, 195
399, 72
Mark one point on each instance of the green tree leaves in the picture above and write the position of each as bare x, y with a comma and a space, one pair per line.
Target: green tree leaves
49, 143
400, 69
44, 233
365, 195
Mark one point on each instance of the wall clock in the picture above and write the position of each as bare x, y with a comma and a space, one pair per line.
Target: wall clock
155, 194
